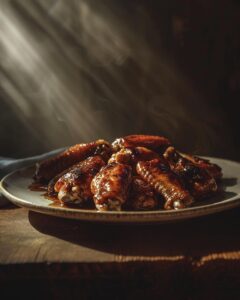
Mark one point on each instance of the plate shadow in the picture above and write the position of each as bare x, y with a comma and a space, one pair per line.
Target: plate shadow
195, 237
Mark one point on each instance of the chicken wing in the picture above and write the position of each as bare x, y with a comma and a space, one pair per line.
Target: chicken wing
157, 173
152, 142
132, 155
111, 186
213, 169
142, 195
75, 185
197, 179
49, 168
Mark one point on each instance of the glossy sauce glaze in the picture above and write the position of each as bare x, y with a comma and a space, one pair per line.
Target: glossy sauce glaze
37, 187
136, 172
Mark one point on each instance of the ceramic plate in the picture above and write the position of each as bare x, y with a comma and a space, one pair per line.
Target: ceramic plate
15, 188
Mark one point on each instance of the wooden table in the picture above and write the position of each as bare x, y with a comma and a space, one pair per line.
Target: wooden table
48, 257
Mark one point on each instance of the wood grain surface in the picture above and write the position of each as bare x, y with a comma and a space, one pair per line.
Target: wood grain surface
196, 257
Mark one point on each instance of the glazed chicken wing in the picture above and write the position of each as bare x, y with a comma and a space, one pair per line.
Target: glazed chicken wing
152, 142
214, 170
142, 196
133, 155
197, 179
136, 172
49, 168
111, 186
158, 174
74, 185
50, 187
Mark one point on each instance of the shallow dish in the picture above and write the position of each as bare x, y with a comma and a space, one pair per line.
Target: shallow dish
14, 186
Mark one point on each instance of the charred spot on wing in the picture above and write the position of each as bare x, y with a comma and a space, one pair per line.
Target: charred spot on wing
191, 171
163, 167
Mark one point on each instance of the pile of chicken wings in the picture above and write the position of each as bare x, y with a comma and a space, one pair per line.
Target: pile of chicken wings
136, 172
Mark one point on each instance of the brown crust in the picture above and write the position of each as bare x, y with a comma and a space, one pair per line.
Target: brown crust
199, 182
80, 178
214, 170
142, 195
158, 174
110, 185
132, 155
49, 168
143, 172
152, 142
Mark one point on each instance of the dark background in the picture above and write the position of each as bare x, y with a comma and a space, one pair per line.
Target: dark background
74, 71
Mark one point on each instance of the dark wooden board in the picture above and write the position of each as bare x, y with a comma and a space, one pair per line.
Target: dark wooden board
30, 237
190, 257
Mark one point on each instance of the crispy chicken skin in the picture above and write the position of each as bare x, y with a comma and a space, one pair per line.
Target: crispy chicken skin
213, 169
75, 185
111, 186
157, 173
50, 188
152, 142
133, 155
49, 168
199, 182
135, 172
142, 195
